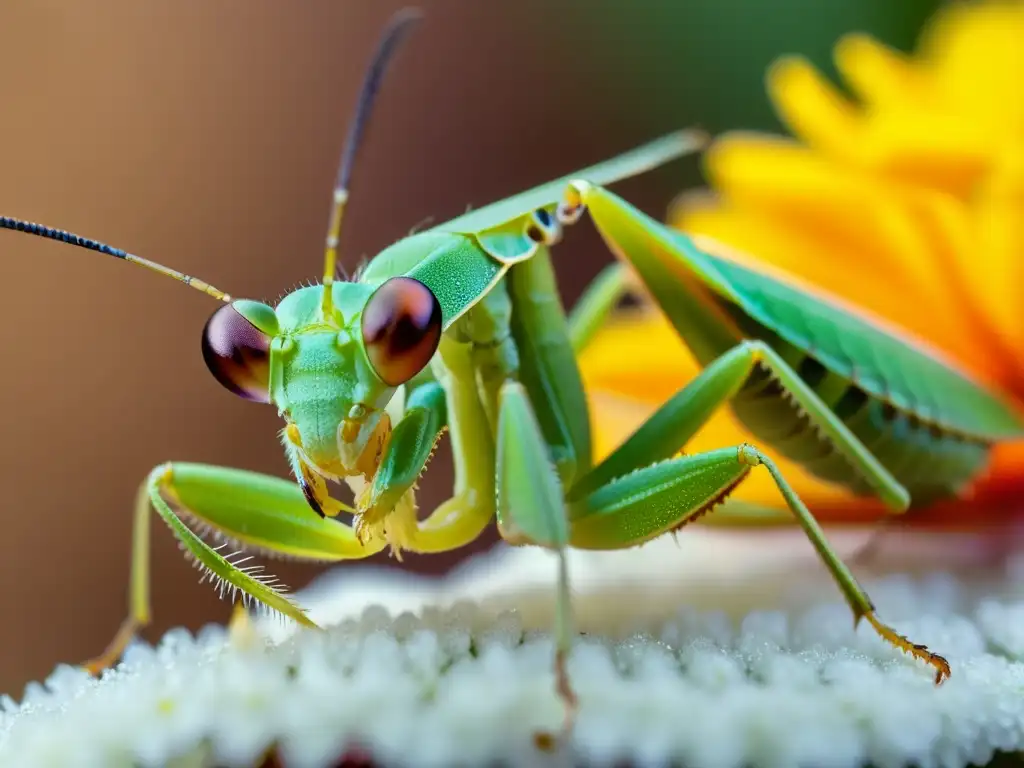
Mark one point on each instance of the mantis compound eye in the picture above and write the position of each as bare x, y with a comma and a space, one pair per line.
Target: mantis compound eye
238, 353
401, 326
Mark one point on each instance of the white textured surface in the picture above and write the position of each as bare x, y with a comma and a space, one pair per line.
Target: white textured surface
760, 668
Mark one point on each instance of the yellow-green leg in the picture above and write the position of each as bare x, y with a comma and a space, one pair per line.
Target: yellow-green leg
453, 400
464, 516
254, 511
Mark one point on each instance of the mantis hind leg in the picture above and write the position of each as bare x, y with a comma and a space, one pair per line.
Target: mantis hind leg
636, 513
665, 496
247, 509
682, 416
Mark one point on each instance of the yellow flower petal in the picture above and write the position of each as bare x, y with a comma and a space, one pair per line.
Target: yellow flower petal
813, 109
880, 76
807, 257
908, 205
974, 341
640, 355
934, 121
808, 193
935, 151
975, 54
793, 211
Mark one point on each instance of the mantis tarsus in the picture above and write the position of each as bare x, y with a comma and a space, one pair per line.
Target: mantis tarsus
461, 327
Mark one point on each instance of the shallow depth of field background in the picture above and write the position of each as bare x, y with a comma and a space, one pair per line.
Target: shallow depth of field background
206, 138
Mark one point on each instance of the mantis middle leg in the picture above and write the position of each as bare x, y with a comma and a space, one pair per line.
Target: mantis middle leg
453, 402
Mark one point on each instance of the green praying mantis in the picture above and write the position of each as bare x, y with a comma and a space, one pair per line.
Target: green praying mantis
460, 327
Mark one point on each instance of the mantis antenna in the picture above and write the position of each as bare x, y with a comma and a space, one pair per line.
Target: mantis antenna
19, 225
396, 30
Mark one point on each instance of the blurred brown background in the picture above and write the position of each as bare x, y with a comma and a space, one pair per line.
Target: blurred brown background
206, 137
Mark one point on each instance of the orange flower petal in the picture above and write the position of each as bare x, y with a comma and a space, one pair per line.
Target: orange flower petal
993, 504
639, 355
1003, 487
999, 282
947, 226
771, 243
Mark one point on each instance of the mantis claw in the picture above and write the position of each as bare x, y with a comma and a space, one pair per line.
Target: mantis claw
396, 526
547, 741
125, 634
314, 489
941, 665
310, 494
313, 484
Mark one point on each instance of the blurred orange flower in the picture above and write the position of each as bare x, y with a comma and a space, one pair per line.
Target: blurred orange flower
907, 200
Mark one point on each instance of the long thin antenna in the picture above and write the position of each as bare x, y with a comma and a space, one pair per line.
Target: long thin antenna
396, 30
30, 228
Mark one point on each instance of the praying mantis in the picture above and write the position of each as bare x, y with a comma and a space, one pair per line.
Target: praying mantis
460, 327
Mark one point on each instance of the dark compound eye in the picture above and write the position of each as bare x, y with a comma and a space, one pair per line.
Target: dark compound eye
401, 329
237, 354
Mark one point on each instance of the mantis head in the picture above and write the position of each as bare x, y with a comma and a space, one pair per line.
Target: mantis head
330, 375
331, 356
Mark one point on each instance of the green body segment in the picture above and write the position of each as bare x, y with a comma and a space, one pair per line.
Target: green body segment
319, 370
461, 259
453, 266
927, 423
530, 496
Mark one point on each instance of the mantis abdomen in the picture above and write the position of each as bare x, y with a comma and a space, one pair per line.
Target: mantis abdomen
929, 461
